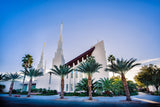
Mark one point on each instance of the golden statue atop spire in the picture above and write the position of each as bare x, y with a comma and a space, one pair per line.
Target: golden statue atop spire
43, 44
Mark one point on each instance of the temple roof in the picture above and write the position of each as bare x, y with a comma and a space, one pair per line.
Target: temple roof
83, 55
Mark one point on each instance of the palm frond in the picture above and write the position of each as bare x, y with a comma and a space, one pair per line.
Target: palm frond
122, 66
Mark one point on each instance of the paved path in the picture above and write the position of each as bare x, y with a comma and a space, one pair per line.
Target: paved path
146, 100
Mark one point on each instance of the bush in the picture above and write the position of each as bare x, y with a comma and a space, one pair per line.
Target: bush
156, 93
24, 93
108, 93
69, 94
51, 92
142, 89
44, 91
35, 90
16, 91
2, 87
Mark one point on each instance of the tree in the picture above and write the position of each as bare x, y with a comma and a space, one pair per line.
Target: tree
27, 61
62, 71
117, 85
12, 77
122, 67
90, 66
111, 58
32, 73
106, 84
50, 74
155, 75
83, 85
2, 77
149, 75
139, 84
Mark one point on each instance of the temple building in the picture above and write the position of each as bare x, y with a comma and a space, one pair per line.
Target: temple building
98, 51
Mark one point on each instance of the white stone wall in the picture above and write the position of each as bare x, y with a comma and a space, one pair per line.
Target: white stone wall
17, 85
100, 56
153, 89
43, 82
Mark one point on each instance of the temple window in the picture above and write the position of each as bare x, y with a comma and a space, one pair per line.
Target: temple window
71, 87
72, 74
66, 87
76, 74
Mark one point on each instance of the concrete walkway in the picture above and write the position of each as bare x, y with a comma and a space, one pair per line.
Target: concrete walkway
144, 98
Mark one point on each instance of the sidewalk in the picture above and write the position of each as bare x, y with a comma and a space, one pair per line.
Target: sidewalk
116, 99
73, 98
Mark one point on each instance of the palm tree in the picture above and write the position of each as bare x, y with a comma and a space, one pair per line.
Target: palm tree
122, 67
90, 66
2, 77
106, 84
50, 74
26, 63
111, 58
23, 72
12, 77
83, 85
32, 73
62, 71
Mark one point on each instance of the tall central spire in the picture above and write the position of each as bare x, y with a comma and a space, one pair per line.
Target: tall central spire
59, 58
60, 42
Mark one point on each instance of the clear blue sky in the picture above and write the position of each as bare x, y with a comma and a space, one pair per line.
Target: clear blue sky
129, 28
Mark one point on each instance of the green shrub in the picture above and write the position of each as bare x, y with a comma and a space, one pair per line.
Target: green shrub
2, 87
24, 92
69, 94
156, 93
44, 91
16, 91
35, 90
83, 94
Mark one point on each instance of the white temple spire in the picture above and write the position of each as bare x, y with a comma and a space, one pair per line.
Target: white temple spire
59, 58
60, 42
40, 65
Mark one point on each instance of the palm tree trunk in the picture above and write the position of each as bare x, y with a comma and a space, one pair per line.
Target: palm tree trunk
11, 88
128, 98
29, 88
89, 87
49, 81
23, 83
62, 88
157, 88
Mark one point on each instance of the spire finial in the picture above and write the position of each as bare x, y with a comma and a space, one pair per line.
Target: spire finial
43, 44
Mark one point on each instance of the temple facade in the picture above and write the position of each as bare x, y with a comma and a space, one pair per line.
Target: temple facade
98, 51
74, 77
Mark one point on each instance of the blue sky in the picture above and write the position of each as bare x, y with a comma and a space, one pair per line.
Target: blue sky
129, 28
